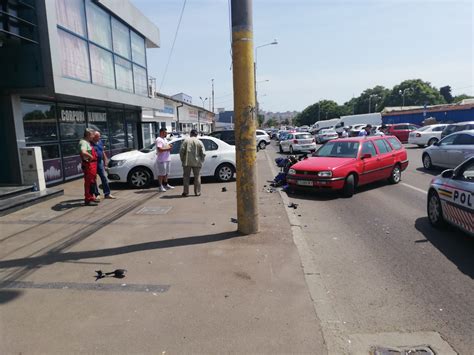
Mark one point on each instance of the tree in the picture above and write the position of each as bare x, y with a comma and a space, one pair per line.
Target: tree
415, 92
375, 97
271, 122
322, 110
461, 97
260, 119
445, 91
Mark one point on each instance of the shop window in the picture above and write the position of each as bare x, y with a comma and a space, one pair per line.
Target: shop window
117, 135
72, 122
139, 75
98, 25
102, 67
131, 119
138, 49
121, 39
148, 134
52, 165
71, 159
71, 15
97, 120
123, 73
74, 56
39, 121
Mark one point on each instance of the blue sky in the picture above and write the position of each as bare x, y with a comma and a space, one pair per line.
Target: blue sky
327, 49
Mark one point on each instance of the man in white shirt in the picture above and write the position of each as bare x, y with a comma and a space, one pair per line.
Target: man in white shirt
163, 159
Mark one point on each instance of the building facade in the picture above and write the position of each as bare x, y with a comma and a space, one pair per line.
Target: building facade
66, 65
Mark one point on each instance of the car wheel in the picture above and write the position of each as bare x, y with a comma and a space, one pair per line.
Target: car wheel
435, 213
395, 175
262, 145
427, 164
224, 172
139, 178
432, 141
291, 150
281, 149
349, 186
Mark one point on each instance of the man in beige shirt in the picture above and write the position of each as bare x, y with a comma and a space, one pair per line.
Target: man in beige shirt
192, 156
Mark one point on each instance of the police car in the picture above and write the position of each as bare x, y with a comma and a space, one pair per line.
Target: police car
451, 198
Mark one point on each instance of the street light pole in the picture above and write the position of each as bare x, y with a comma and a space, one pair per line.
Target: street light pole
199, 116
212, 95
403, 95
255, 69
370, 97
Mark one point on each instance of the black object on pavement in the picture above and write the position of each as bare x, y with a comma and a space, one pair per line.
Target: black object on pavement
293, 205
118, 274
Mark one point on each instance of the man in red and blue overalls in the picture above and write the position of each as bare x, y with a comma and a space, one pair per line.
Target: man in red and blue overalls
89, 167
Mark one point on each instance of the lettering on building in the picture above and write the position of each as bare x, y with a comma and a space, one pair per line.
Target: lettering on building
97, 116
72, 116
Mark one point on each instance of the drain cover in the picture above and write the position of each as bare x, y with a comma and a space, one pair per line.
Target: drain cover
154, 210
409, 350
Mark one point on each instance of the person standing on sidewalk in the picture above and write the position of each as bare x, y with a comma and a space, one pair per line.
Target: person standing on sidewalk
192, 156
163, 159
102, 162
89, 166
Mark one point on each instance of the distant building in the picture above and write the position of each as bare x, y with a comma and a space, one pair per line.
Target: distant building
183, 97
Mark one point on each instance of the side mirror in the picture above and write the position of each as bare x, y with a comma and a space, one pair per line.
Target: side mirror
366, 156
448, 174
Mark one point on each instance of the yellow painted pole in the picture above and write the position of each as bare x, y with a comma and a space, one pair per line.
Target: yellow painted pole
245, 116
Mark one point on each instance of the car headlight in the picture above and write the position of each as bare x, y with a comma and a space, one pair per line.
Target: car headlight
113, 163
292, 172
325, 173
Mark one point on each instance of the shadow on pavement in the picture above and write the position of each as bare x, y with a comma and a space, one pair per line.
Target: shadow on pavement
66, 205
8, 296
54, 257
454, 244
432, 172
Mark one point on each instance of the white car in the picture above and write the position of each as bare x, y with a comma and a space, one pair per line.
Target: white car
427, 135
138, 167
298, 142
263, 139
326, 135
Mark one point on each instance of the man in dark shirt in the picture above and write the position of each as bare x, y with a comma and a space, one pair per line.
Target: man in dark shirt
102, 163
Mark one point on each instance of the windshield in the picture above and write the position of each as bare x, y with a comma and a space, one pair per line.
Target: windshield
339, 150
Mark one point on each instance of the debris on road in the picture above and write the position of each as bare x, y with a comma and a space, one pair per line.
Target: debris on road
117, 273
224, 189
293, 205
233, 220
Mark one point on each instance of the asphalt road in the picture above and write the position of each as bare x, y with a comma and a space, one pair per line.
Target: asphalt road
381, 264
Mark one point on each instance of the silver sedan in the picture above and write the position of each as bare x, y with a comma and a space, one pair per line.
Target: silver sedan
450, 151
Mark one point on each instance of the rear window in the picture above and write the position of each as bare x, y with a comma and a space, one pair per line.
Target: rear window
395, 143
304, 136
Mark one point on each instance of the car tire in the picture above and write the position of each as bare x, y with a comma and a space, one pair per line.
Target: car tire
432, 141
224, 173
291, 150
349, 186
139, 178
395, 175
281, 149
262, 145
434, 211
427, 164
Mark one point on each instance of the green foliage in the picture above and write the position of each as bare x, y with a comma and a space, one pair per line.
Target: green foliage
416, 93
461, 97
271, 122
375, 97
322, 110
445, 91
260, 120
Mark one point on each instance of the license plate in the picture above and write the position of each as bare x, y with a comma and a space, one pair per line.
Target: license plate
304, 183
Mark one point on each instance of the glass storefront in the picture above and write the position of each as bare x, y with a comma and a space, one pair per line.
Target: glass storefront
57, 127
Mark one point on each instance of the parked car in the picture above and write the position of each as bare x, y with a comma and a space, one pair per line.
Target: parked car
343, 164
298, 142
325, 135
355, 129
137, 167
401, 131
456, 127
427, 135
451, 198
228, 136
263, 139
450, 151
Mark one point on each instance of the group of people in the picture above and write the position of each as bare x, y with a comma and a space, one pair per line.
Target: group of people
192, 157
94, 161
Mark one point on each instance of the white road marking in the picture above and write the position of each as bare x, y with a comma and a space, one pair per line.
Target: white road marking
414, 188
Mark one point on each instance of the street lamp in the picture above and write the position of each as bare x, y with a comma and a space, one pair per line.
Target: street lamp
370, 98
199, 116
403, 94
255, 69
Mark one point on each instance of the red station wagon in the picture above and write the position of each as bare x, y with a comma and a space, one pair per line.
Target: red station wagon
402, 130
344, 164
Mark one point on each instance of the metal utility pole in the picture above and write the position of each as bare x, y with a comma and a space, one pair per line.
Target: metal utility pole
245, 116
212, 95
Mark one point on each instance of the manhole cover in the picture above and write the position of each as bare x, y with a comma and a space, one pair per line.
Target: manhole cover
408, 350
154, 210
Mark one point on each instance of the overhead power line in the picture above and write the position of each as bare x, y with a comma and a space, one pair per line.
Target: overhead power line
174, 41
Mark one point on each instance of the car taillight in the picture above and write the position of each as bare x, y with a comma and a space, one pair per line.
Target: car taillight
418, 135
295, 141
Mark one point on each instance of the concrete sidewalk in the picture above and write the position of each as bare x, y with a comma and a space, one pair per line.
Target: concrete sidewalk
193, 285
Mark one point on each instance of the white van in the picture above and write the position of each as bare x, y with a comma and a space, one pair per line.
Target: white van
324, 124
365, 118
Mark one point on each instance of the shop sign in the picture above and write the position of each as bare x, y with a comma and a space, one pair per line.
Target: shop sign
72, 166
52, 170
72, 116
192, 113
97, 116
